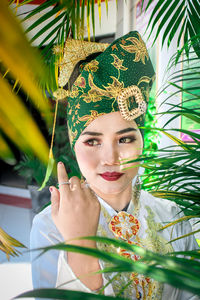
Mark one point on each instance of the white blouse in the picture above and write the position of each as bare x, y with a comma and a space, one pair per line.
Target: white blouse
51, 269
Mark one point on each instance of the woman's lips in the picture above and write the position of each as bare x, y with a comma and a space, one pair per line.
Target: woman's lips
111, 176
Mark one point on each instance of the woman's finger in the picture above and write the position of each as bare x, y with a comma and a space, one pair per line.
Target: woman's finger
55, 201
75, 183
62, 178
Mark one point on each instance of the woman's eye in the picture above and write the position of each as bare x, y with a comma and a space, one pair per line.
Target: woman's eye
127, 140
92, 142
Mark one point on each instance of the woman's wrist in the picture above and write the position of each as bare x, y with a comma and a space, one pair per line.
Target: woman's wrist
84, 267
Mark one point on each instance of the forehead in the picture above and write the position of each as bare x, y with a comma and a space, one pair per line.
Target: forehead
112, 122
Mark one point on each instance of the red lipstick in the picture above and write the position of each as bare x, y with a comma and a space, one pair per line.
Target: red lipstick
111, 176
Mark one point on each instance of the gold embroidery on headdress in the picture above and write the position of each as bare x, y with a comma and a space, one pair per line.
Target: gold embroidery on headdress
61, 94
131, 91
89, 118
138, 47
92, 66
118, 63
75, 51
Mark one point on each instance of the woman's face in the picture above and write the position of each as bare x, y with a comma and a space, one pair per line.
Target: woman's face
102, 146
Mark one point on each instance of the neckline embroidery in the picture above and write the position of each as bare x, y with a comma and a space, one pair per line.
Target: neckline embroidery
145, 287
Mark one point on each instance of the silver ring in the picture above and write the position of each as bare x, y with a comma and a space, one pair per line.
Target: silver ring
65, 182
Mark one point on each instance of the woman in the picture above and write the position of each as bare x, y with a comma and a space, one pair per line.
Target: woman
106, 106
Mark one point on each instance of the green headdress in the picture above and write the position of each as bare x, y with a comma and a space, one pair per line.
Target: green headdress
118, 79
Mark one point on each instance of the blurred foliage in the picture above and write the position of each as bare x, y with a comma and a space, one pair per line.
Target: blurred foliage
55, 22
183, 273
8, 244
151, 137
33, 170
174, 171
15, 121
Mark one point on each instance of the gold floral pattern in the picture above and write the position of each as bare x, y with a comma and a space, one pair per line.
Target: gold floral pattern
92, 66
145, 79
96, 94
114, 88
138, 47
92, 96
89, 118
75, 92
80, 82
72, 134
118, 63
124, 225
61, 94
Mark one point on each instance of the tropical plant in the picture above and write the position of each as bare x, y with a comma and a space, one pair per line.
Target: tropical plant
33, 170
60, 20
8, 244
15, 120
176, 17
179, 272
177, 167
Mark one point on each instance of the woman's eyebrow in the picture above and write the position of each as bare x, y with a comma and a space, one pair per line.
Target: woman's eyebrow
94, 133
126, 130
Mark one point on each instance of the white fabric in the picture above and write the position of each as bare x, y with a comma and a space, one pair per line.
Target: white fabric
52, 269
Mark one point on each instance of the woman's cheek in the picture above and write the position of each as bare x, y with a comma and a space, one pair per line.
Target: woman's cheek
87, 161
130, 154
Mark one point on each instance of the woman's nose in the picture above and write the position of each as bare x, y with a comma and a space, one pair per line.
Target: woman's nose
110, 155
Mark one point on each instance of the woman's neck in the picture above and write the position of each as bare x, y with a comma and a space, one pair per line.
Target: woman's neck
117, 201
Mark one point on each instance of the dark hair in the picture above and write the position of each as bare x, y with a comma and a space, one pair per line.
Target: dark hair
77, 70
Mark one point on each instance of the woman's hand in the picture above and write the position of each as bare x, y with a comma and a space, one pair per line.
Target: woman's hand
75, 212
75, 208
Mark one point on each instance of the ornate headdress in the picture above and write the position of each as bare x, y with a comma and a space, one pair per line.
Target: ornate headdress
118, 79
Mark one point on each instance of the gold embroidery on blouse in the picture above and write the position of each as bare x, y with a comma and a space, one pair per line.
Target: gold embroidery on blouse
142, 287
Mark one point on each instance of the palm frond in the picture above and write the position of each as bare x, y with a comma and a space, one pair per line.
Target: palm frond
6, 153
16, 122
175, 17
169, 268
8, 244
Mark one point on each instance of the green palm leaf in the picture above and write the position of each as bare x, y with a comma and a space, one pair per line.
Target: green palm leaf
176, 14
63, 294
179, 272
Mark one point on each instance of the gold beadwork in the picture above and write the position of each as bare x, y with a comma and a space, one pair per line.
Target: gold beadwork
61, 93
131, 91
75, 51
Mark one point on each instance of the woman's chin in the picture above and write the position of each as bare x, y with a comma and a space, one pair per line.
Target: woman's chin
110, 187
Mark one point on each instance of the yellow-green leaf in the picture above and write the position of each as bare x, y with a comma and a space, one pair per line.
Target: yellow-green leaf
48, 171
5, 152
24, 62
21, 128
8, 244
